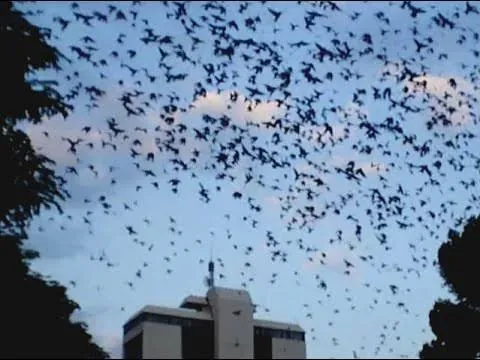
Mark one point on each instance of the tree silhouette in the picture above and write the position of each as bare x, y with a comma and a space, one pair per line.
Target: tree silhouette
30, 183
456, 326
35, 312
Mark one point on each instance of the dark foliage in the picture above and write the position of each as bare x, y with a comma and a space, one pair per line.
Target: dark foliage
35, 313
24, 98
457, 326
458, 259
28, 183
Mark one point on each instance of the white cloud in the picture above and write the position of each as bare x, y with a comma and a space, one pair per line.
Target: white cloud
241, 111
439, 85
440, 92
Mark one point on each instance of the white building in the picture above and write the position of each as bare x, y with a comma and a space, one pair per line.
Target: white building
220, 325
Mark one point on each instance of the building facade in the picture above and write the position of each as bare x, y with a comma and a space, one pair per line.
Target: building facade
220, 325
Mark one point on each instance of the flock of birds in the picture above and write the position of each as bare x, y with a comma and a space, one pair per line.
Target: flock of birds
317, 67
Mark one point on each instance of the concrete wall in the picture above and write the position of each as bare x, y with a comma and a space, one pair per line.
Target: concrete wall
162, 341
288, 349
232, 313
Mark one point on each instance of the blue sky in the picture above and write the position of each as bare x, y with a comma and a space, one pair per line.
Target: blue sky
335, 328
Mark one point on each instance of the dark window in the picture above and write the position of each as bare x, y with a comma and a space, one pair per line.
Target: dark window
133, 348
198, 340
262, 345
282, 334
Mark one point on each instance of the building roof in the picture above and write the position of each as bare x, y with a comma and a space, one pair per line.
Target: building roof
277, 325
182, 312
197, 307
205, 315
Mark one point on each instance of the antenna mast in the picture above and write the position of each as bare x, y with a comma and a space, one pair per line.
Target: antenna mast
211, 269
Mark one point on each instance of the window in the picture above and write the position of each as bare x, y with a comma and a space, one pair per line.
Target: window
198, 340
133, 349
262, 345
282, 334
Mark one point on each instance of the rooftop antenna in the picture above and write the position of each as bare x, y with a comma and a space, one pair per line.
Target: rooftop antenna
209, 280
211, 268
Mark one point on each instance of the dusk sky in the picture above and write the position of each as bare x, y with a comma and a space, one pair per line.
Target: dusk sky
358, 314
